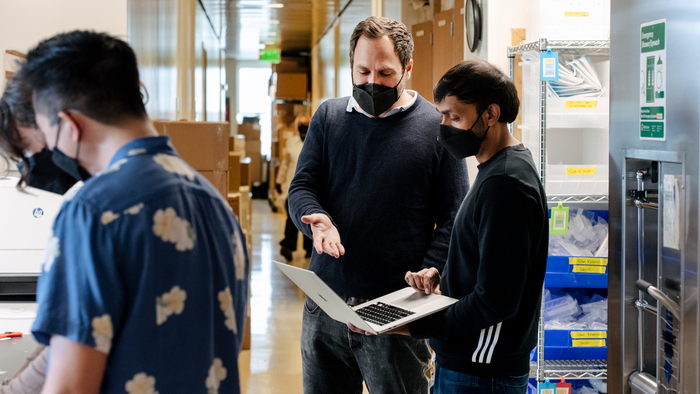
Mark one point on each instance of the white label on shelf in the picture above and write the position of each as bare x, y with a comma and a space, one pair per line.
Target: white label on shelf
442, 23
420, 33
461, 11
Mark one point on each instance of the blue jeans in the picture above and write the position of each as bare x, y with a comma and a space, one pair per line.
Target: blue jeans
336, 360
450, 382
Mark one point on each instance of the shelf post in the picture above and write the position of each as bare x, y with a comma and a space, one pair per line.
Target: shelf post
511, 75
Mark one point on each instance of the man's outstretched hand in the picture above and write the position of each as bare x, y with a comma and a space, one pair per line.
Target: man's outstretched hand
326, 237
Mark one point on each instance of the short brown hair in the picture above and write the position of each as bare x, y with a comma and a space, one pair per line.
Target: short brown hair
480, 83
378, 27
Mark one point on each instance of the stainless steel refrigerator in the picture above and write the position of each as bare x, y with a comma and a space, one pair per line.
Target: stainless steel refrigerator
654, 184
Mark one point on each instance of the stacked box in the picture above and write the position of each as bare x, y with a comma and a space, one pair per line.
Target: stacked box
204, 146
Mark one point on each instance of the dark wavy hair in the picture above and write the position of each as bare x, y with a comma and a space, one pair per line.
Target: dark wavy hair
378, 27
15, 109
480, 83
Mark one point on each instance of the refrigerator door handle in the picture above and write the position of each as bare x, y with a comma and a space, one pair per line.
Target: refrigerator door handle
660, 296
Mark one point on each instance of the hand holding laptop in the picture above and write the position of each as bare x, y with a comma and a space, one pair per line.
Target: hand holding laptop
427, 280
326, 237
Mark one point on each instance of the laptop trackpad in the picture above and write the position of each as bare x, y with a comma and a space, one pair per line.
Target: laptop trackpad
411, 299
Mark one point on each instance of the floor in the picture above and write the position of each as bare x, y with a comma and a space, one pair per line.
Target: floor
273, 364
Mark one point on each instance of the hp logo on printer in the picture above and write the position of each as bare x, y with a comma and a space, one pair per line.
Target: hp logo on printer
38, 212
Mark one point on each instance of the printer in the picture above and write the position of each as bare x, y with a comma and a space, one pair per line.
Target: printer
26, 220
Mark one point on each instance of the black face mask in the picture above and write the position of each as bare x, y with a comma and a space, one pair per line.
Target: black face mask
45, 175
303, 129
375, 99
460, 143
70, 166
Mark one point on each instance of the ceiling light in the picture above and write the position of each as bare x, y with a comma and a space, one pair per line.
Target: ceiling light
277, 5
272, 34
274, 22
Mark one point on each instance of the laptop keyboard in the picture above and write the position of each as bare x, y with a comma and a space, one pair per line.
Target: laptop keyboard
382, 314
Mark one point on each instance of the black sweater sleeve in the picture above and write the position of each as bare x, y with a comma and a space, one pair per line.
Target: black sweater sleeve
504, 221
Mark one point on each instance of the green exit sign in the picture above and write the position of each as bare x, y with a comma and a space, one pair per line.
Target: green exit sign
270, 55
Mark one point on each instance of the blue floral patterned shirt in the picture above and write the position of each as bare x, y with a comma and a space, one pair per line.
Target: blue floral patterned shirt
147, 263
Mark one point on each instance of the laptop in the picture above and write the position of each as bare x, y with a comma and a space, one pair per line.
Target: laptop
376, 316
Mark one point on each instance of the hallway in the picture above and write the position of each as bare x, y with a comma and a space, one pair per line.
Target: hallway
273, 365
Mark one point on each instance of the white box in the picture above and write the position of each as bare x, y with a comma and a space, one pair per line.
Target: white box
568, 19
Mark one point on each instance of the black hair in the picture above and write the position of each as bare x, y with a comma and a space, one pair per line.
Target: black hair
480, 83
15, 109
93, 73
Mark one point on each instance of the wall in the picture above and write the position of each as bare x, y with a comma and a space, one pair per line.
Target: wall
152, 31
25, 23
499, 17
207, 75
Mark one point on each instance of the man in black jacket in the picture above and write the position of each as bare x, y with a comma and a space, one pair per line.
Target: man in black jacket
378, 196
498, 250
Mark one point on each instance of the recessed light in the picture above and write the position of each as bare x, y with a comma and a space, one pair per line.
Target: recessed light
277, 5
274, 22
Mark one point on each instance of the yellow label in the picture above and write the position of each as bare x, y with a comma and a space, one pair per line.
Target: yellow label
549, 60
577, 14
580, 170
562, 390
588, 269
589, 334
588, 342
588, 260
581, 104
547, 391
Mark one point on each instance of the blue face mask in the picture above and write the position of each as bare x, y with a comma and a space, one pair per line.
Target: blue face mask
70, 166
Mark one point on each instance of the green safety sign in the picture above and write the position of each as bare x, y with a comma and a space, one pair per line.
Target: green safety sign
652, 99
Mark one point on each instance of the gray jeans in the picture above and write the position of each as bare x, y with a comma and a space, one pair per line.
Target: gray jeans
337, 360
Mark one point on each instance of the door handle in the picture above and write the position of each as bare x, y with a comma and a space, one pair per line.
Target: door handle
660, 296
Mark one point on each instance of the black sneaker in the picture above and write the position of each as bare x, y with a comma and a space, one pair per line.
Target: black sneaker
286, 253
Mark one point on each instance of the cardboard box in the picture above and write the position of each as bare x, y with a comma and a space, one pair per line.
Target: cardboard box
245, 344
234, 200
245, 172
203, 145
251, 131
239, 144
291, 86
219, 179
234, 172
252, 148
255, 168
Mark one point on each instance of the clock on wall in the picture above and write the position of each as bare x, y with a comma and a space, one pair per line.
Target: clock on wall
472, 23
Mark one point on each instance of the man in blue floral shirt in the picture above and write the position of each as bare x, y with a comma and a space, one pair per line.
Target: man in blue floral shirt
144, 285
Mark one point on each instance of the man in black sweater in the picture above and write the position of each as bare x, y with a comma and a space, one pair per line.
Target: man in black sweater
372, 174
498, 251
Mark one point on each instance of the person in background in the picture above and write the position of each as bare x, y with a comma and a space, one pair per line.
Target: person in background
372, 174
146, 254
288, 166
22, 142
498, 251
